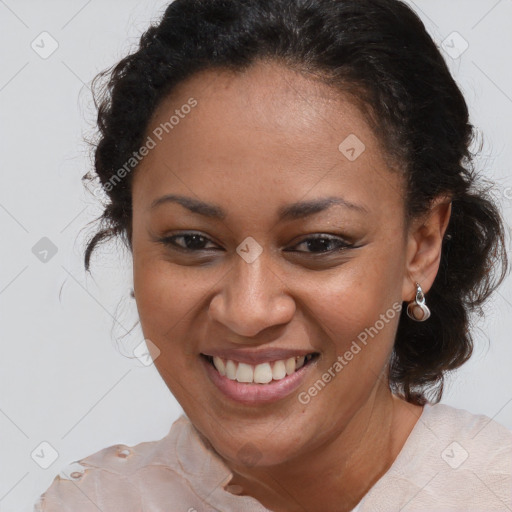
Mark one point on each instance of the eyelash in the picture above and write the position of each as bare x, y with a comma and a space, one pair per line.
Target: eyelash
342, 245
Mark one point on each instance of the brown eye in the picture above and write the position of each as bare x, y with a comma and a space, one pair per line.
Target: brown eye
323, 244
188, 242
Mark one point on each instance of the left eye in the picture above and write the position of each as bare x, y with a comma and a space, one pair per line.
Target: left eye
322, 244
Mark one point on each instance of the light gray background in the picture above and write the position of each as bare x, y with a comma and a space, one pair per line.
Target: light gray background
63, 378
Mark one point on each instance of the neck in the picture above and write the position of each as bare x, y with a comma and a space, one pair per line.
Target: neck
336, 475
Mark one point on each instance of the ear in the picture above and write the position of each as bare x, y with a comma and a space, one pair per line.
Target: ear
424, 244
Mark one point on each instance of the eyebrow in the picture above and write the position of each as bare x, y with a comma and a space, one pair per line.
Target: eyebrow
291, 211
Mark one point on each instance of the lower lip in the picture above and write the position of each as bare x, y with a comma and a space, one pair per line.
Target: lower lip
257, 393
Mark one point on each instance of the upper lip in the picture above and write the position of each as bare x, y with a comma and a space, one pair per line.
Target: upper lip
251, 356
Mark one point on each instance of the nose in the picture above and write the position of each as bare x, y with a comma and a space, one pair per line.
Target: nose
252, 298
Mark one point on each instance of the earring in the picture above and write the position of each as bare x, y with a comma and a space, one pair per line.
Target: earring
417, 309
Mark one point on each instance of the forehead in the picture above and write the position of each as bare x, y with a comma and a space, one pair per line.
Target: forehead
267, 126
267, 96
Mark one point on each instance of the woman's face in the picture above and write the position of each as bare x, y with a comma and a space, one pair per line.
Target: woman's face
267, 270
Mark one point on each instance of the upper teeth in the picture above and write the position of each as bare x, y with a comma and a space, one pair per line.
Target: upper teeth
262, 373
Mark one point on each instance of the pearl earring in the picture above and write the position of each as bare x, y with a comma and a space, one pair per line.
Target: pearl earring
417, 310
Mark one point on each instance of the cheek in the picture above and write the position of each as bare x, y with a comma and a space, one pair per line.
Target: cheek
167, 297
354, 299
356, 316
357, 313
166, 291
167, 302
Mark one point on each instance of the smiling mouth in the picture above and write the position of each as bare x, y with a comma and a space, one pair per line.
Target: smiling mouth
263, 373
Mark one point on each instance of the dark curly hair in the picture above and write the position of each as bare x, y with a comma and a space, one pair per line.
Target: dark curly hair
379, 52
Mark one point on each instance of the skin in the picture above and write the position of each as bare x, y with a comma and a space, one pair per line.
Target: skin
255, 142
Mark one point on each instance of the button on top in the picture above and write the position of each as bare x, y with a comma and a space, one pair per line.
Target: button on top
123, 453
73, 471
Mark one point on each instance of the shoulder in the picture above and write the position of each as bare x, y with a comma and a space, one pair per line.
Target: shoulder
483, 439
453, 460
121, 477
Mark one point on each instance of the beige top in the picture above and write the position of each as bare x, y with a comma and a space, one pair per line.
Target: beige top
452, 461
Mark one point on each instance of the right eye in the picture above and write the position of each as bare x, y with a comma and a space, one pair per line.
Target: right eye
191, 242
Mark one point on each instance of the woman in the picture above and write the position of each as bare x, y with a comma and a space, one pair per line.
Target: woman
309, 239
